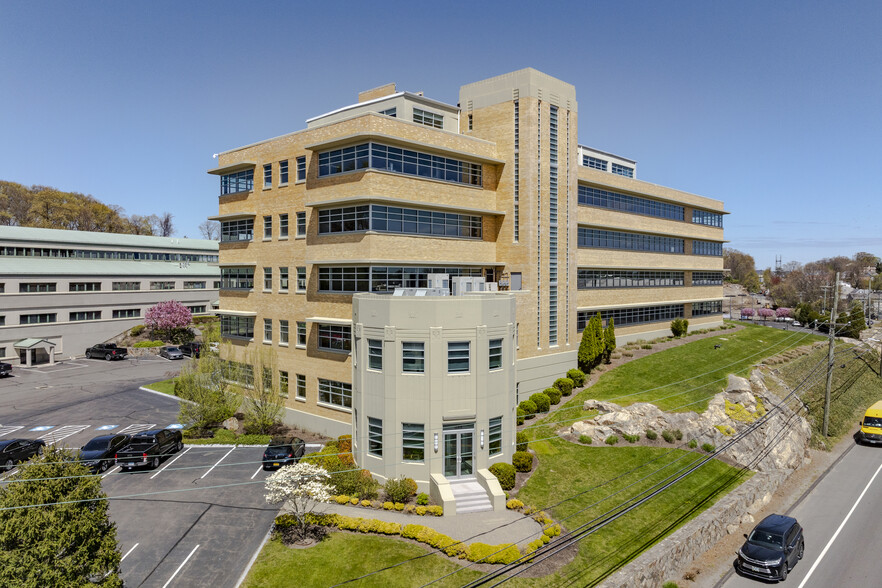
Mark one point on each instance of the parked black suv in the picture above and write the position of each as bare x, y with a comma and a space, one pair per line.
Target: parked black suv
191, 349
5, 369
283, 451
106, 350
772, 548
148, 448
98, 454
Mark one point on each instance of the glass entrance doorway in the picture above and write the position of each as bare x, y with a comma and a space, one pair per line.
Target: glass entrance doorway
459, 453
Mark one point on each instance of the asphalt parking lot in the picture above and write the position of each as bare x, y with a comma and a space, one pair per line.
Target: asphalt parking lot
197, 520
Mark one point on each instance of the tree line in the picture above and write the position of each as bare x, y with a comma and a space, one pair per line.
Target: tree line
49, 208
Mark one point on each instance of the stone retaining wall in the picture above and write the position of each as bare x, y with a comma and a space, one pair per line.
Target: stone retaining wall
666, 559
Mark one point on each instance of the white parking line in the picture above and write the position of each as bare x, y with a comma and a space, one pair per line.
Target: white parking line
62, 432
132, 429
9, 429
112, 470
257, 472
179, 567
171, 462
215, 465
128, 552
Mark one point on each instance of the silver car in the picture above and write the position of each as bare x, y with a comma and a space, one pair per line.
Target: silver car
171, 353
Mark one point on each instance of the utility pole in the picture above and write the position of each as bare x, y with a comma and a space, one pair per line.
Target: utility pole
825, 288
830, 354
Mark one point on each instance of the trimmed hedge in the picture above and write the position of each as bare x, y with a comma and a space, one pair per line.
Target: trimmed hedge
577, 376
553, 395
520, 417
140, 344
542, 402
565, 385
529, 408
522, 461
505, 473
136, 330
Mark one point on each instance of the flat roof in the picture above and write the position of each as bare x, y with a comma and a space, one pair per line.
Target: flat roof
59, 237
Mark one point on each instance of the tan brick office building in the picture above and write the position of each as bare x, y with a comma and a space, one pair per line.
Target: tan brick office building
382, 193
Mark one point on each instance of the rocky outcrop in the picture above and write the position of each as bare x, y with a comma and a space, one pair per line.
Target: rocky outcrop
780, 442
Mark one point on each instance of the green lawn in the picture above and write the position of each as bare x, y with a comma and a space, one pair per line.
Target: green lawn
165, 386
343, 556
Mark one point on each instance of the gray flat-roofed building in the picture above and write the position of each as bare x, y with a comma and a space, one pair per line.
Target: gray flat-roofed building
77, 288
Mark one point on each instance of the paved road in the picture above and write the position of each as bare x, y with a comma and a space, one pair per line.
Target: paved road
195, 521
841, 519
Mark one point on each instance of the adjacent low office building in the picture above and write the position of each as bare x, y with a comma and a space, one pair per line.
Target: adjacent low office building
63, 291
382, 194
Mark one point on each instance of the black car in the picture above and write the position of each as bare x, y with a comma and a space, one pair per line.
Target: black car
106, 350
283, 451
148, 448
772, 548
98, 454
13, 451
5, 368
191, 349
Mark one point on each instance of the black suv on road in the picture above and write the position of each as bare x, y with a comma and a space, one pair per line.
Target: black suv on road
106, 350
191, 349
283, 451
5, 369
148, 448
772, 548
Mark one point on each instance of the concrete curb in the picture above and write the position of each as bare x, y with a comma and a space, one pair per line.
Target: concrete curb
164, 394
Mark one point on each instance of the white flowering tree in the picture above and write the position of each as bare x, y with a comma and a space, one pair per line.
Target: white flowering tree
301, 487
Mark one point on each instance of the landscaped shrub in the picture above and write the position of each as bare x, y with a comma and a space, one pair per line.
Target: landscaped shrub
670, 585
678, 434
501, 554
522, 441
136, 330
693, 444
505, 473
344, 443
529, 408
679, 327
553, 395
422, 499
514, 504
388, 505
399, 506
708, 447
611, 440
631, 438
565, 385
354, 500
148, 344
399, 489
646, 346
668, 435
522, 461
577, 376
651, 435
366, 503
542, 402
585, 439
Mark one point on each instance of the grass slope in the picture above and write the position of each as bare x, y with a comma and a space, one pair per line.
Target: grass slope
343, 556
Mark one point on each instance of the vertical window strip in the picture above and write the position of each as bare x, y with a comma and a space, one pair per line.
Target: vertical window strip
552, 225
539, 225
517, 177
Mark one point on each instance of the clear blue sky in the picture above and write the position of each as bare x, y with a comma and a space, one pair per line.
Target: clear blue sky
773, 107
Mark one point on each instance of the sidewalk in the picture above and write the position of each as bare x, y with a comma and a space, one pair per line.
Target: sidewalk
489, 527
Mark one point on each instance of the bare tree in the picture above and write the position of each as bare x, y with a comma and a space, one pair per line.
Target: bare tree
210, 230
166, 227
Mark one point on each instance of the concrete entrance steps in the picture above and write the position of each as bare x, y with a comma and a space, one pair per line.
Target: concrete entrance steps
470, 496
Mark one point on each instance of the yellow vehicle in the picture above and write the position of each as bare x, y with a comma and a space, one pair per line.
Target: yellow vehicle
871, 426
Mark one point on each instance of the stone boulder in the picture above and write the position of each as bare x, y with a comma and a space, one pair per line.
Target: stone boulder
780, 442
231, 424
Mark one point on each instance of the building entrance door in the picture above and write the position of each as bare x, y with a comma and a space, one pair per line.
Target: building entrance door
459, 453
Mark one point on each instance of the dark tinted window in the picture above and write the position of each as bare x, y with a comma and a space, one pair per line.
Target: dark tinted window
96, 444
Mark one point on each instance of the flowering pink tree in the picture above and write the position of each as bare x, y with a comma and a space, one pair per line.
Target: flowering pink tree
747, 312
783, 312
766, 313
169, 320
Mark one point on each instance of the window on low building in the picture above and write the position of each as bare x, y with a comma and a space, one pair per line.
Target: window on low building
86, 315
283, 279
335, 393
35, 319
457, 357
267, 330
267, 279
267, 227
162, 285
301, 279
237, 230
300, 391
375, 354
242, 181
237, 278
495, 436
283, 172
495, 354
301, 334
121, 313
301, 168
301, 224
268, 175
375, 436
283, 384
283, 226
335, 338
413, 359
194, 285
85, 286
237, 326
413, 441
429, 119
36, 287
283, 332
